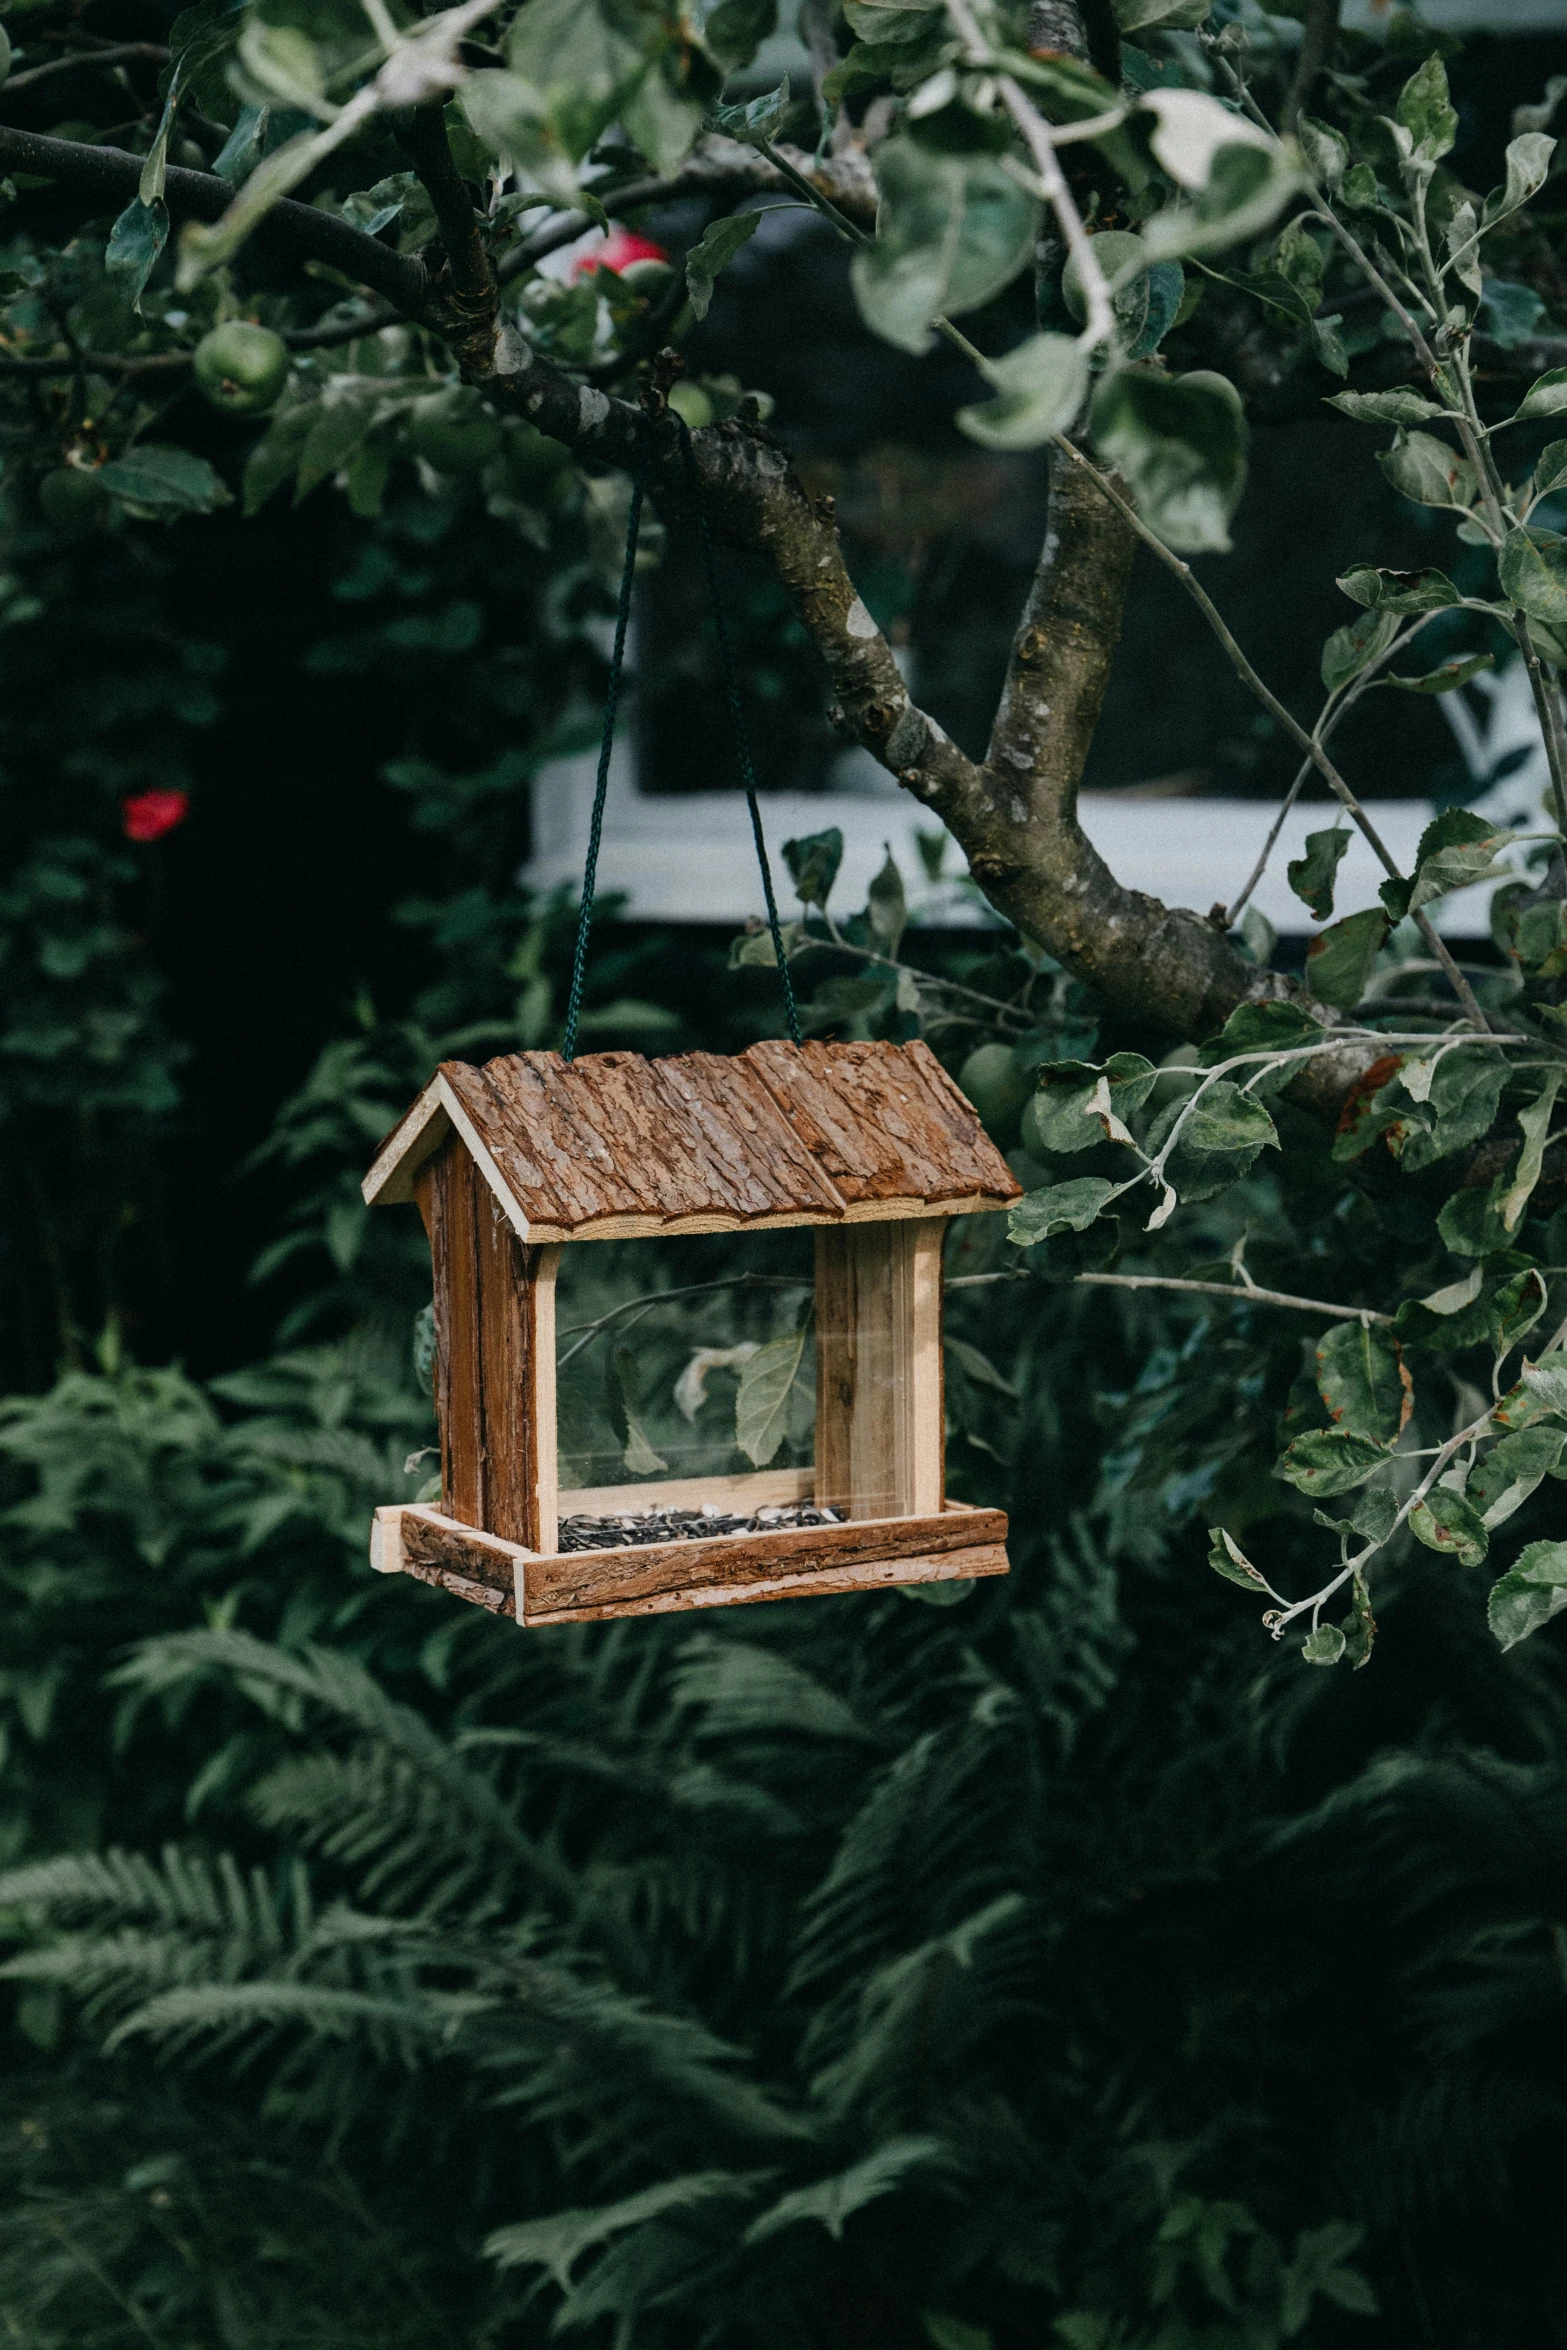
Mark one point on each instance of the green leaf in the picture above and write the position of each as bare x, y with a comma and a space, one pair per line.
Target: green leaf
509, 117
1535, 577
1061, 1117
1550, 472
282, 63
201, 42
662, 115
1546, 396
1394, 407
813, 862
1426, 470
1528, 1596
1123, 260
1509, 313
1226, 1558
1246, 190
1195, 129
242, 149
1426, 111
1325, 1461
763, 1397
1180, 442
870, 65
1465, 1087
341, 422
1169, 16
583, 57
1041, 384
1320, 2253
1457, 849
1339, 960
1455, 1295
754, 948
1329, 345
1362, 191
721, 241
979, 1367
1399, 591
952, 2333
621, 1386
757, 121
1311, 877
1511, 1470
1442, 680
1470, 1225
1325, 1646
1446, 1522
737, 28
1219, 1140
1541, 1394
1528, 166
951, 231
886, 907
168, 480
1355, 646
1327, 155
1535, 1124
276, 455
1273, 1025
1362, 1381
891, 22
135, 241
1374, 1515
1063, 1207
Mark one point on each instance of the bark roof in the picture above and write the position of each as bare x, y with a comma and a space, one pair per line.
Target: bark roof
807, 1134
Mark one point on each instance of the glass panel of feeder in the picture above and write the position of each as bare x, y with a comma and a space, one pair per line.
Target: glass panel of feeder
686, 1386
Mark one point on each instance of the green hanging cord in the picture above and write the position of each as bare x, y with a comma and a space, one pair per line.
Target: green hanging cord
737, 716
606, 744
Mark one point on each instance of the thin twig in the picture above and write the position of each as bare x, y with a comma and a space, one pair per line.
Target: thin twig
1271, 703
1098, 303
1333, 713
586, 1332
1248, 1294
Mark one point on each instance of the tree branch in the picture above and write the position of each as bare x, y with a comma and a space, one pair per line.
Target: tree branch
464, 287
1015, 816
115, 53
111, 176
1318, 35
1027, 849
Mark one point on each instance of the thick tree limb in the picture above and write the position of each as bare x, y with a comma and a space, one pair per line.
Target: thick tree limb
1035, 861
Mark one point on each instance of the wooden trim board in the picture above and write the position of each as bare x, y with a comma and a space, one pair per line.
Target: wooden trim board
880, 1437
587, 1586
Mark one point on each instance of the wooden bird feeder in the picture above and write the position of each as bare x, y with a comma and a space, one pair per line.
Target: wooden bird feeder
511, 1164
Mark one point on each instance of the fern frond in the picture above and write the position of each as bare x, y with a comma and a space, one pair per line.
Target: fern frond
558, 2243
743, 1690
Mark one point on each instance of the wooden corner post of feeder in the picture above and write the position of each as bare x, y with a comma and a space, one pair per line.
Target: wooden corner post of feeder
871, 1144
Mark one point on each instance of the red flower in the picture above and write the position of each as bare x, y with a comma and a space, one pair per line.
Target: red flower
620, 248
148, 815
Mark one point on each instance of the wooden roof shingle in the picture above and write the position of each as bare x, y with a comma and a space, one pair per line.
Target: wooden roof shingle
613, 1144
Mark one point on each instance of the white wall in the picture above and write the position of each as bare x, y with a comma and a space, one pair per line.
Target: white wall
689, 858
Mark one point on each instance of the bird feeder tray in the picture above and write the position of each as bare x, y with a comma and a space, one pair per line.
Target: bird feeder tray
870, 1145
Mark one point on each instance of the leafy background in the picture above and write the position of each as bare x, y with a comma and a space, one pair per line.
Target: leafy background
1061, 1964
